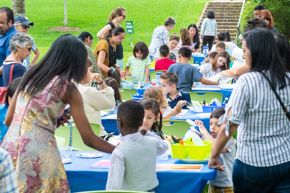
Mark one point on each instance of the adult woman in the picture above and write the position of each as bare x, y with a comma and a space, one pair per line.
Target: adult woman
20, 46
262, 163
87, 38
115, 19
41, 97
117, 16
160, 36
96, 99
106, 52
209, 29
268, 18
194, 36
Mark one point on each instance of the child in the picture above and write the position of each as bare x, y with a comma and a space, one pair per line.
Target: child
155, 92
185, 40
220, 62
220, 46
139, 63
172, 45
133, 162
223, 181
164, 62
187, 73
168, 82
152, 118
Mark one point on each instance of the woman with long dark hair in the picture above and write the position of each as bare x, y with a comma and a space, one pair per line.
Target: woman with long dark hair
259, 109
41, 97
194, 35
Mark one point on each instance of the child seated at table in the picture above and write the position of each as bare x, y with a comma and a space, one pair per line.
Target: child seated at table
133, 162
186, 72
223, 181
164, 62
168, 82
221, 62
152, 121
139, 63
155, 92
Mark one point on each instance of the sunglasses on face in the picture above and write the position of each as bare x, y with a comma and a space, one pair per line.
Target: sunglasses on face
124, 16
26, 26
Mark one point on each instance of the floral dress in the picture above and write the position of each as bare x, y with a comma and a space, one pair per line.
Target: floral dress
31, 143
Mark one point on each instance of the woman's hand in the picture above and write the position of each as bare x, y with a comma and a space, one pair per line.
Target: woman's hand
214, 162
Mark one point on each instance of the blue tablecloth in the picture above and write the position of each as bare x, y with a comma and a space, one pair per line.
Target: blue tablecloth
82, 177
212, 88
109, 122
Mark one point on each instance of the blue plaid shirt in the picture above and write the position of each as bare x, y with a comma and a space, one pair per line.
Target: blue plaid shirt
7, 177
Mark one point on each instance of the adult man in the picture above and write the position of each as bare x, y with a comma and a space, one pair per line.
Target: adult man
7, 30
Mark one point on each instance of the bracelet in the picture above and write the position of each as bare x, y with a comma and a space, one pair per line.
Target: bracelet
100, 82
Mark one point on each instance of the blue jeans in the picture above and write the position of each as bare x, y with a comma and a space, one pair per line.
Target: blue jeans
251, 179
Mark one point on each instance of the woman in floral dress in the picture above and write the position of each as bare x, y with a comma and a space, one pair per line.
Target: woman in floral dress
40, 99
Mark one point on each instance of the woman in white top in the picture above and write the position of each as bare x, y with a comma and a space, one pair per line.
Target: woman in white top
263, 161
208, 29
96, 98
160, 36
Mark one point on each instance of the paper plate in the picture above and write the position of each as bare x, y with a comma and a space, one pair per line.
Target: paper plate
66, 160
89, 155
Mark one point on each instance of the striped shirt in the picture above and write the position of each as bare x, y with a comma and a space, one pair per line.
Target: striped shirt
264, 130
7, 177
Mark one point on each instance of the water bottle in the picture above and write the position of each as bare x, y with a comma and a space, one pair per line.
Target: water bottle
205, 50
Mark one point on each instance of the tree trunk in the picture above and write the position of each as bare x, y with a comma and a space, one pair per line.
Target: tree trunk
19, 7
65, 13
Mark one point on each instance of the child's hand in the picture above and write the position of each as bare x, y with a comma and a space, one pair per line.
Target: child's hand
97, 77
179, 106
199, 123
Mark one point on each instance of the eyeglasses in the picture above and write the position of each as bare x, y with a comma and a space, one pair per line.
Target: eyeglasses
29, 49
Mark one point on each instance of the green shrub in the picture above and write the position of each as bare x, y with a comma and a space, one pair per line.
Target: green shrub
279, 9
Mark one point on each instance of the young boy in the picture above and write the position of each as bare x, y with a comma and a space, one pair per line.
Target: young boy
186, 73
133, 162
220, 46
164, 62
168, 82
223, 181
22, 24
172, 45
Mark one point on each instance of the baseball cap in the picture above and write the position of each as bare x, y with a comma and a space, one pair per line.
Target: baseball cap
23, 21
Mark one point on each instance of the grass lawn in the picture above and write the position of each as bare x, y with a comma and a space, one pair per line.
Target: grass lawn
91, 15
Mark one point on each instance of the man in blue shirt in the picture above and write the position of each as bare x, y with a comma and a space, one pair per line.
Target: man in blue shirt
7, 30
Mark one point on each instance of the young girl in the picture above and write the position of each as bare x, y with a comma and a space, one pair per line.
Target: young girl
221, 62
152, 118
155, 92
139, 63
194, 36
185, 40
208, 29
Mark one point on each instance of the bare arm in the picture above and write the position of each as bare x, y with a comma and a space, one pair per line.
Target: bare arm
147, 74
104, 32
11, 109
236, 71
208, 82
74, 99
36, 56
101, 61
